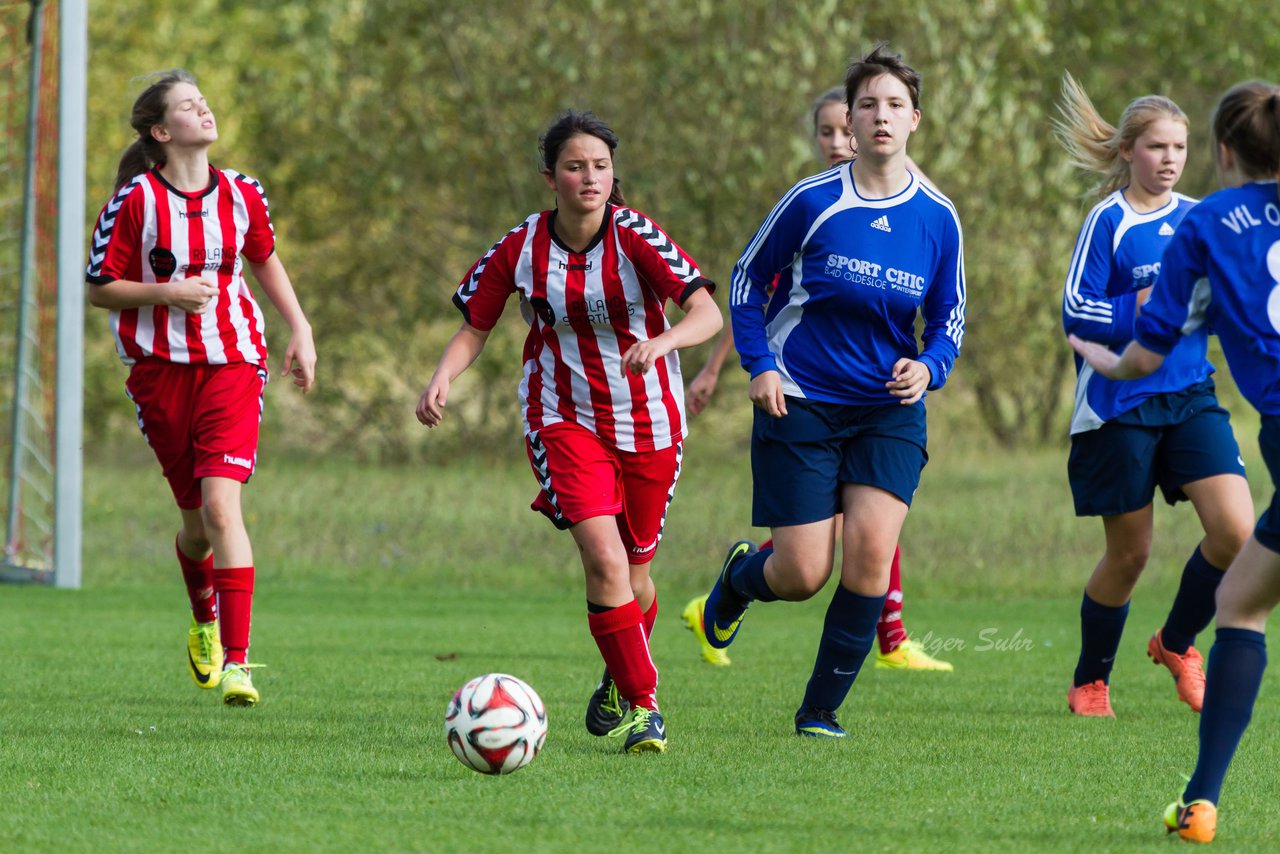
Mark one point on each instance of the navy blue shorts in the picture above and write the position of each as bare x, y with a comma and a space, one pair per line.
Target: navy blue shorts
799, 462
1267, 531
1116, 468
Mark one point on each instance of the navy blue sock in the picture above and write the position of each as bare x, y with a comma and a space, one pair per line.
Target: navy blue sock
1193, 607
747, 579
1236, 663
1100, 630
847, 636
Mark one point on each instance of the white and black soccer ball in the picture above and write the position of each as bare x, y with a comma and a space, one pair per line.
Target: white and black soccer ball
495, 724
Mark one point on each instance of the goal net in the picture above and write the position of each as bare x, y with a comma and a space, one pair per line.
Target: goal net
28, 269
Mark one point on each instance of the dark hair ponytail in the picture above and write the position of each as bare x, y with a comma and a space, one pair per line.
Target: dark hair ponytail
148, 111
569, 124
1247, 121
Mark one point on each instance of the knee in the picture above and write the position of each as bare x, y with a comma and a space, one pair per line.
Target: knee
221, 514
1128, 562
1220, 547
798, 579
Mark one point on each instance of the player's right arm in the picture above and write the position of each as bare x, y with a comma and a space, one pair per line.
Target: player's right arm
1088, 311
773, 248
463, 349
115, 266
192, 295
480, 297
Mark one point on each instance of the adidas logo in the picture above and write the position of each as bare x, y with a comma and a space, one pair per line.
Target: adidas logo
883, 223
1165, 229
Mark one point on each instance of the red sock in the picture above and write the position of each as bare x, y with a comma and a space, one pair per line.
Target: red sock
651, 616
619, 633
199, 578
889, 629
235, 608
767, 544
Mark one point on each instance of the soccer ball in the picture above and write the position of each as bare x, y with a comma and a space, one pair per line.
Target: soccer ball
495, 724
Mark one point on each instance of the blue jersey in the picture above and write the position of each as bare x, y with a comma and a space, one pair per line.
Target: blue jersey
852, 273
1117, 254
1222, 271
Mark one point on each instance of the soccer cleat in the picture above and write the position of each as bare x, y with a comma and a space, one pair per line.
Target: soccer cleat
1187, 670
695, 622
237, 685
1091, 701
908, 656
1194, 822
605, 709
718, 631
204, 653
818, 723
645, 731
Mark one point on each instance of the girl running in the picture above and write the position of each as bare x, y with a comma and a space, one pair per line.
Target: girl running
834, 144
602, 394
1221, 271
838, 378
1167, 430
168, 261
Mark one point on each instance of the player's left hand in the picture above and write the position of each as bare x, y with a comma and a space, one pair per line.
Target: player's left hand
910, 379
640, 356
300, 360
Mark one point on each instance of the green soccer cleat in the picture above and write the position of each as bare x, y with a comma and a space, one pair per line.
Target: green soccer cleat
645, 731
237, 685
204, 653
694, 620
605, 709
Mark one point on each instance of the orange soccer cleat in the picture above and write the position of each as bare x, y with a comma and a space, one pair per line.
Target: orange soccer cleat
1187, 670
1092, 700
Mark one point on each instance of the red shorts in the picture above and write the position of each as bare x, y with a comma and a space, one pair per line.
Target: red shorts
201, 420
583, 476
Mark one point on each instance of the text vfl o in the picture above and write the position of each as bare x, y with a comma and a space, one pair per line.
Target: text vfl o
1273, 300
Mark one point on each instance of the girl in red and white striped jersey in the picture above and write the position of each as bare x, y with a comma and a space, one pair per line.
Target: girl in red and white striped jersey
602, 394
167, 261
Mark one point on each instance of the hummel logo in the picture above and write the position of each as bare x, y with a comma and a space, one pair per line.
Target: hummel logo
1165, 229
661, 729
237, 461
882, 223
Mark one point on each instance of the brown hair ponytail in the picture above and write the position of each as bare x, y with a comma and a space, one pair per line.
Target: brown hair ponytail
148, 111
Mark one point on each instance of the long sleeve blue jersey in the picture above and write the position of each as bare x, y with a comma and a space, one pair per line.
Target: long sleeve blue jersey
1222, 271
852, 273
1117, 254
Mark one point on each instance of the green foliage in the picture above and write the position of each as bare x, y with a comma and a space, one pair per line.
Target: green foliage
397, 141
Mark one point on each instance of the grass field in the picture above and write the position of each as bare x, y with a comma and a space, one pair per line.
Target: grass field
382, 590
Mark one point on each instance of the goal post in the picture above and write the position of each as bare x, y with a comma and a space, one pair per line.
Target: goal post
73, 25
43, 107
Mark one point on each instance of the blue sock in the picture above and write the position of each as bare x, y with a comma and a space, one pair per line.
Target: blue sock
1100, 631
847, 636
1193, 607
747, 579
1236, 663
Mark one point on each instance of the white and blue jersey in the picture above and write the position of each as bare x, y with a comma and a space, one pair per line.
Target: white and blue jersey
1222, 272
1118, 252
852, 273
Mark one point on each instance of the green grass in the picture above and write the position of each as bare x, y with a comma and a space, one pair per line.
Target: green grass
383, 590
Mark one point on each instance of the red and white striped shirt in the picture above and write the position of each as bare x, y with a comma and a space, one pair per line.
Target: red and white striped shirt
585, 309
153, 232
